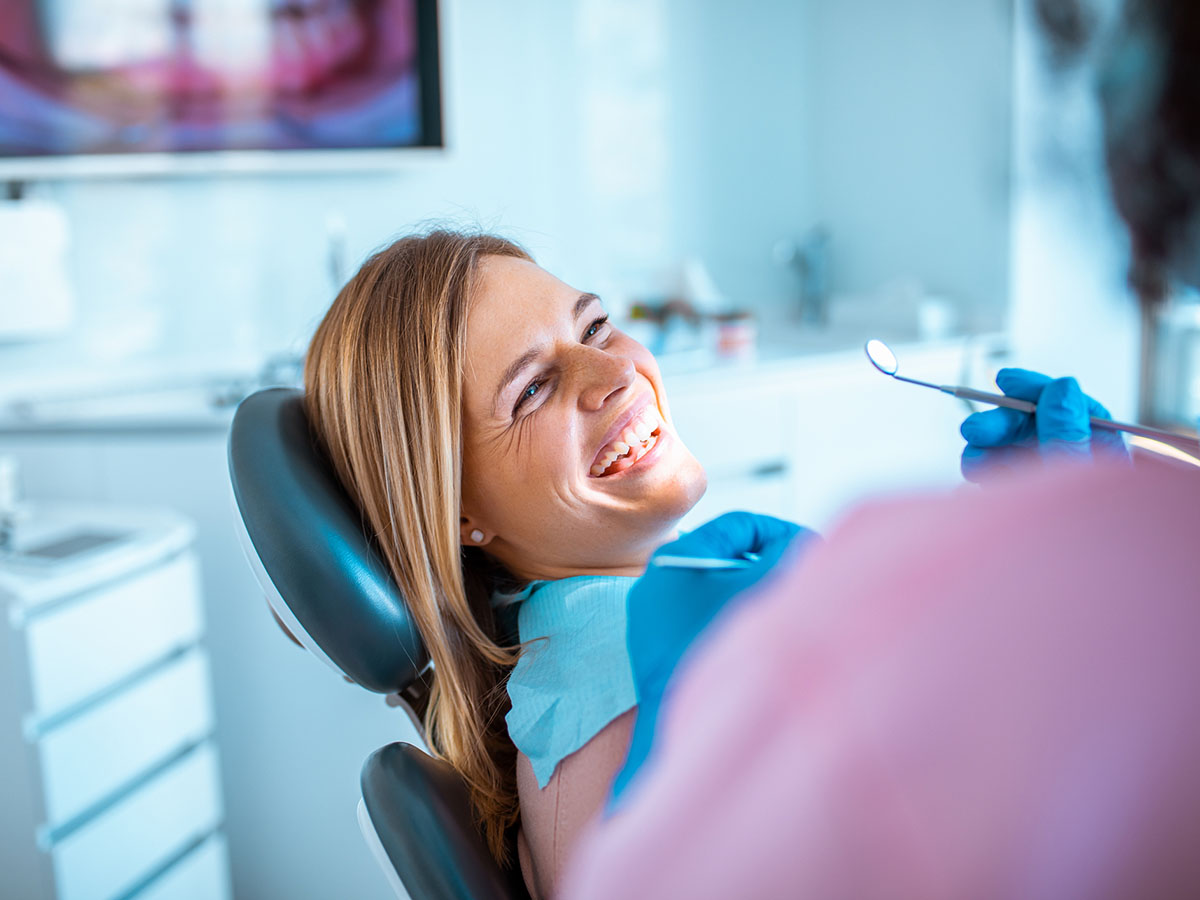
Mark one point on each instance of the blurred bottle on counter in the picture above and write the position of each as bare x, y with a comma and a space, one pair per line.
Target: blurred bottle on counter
1174, 371
36, 300
937, 318
737, 335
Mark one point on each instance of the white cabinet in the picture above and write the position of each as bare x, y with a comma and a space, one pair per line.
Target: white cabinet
109, 771
291, 739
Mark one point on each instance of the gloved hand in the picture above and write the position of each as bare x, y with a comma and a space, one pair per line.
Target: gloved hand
1001, 438
668, 608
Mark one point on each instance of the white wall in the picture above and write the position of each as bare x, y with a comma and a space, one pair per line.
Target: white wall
741, 171
909, 123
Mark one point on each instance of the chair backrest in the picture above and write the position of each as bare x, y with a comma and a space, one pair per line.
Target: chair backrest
330, 588
305, 540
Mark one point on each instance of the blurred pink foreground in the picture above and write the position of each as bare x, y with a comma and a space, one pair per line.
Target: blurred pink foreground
987, 694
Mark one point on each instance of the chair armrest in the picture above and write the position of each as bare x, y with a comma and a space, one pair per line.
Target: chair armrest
419, 815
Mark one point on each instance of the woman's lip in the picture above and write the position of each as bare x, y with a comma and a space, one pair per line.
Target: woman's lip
644, 462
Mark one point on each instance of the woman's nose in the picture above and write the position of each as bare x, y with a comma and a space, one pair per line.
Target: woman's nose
603, 375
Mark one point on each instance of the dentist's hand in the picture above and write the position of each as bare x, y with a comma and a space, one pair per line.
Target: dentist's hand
668, 608
1060, 429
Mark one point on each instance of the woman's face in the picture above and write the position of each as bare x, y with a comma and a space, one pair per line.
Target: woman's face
571, 465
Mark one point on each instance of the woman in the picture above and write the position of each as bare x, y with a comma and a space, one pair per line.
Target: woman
509, 449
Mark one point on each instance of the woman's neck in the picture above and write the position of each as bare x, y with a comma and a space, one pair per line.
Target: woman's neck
631, 565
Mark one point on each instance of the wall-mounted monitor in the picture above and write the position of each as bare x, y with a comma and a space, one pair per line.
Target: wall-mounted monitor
93, 87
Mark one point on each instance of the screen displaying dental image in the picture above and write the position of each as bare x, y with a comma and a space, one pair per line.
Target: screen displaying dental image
129, 76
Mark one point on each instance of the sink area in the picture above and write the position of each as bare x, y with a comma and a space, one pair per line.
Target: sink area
187, 395
197, 404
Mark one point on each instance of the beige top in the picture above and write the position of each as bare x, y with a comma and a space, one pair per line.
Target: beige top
553, 817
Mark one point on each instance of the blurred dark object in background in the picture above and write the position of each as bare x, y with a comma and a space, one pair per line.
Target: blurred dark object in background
1149, 85
1148, 81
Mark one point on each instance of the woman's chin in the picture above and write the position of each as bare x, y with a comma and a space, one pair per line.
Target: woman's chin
672, 496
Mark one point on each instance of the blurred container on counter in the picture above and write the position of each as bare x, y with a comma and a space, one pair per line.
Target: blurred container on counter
737, 335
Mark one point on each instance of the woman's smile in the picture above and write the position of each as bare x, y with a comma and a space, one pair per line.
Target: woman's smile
632, 436
638, 460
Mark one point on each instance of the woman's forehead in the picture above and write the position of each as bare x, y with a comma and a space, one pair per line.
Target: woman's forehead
513, 285
515, 307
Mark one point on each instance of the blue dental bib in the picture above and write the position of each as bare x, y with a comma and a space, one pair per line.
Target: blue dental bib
574, 676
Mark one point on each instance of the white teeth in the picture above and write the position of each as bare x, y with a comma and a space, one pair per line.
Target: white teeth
634, 443
646, 449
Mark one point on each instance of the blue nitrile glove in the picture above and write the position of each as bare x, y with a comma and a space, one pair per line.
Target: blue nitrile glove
1001, 438
668, 608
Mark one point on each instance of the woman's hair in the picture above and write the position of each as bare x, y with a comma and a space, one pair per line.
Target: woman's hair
383, 380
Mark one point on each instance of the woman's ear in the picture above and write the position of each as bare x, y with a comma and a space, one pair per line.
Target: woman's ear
471, 534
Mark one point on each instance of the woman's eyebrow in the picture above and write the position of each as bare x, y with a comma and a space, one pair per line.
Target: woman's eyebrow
581, 303
585, 300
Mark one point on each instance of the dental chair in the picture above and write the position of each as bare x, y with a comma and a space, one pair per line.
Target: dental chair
331, 591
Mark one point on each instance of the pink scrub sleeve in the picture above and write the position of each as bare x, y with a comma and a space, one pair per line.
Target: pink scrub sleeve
987, 694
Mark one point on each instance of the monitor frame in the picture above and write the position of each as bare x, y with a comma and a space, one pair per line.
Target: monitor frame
331, 160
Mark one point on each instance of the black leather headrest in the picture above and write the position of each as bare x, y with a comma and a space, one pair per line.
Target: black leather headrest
305, 539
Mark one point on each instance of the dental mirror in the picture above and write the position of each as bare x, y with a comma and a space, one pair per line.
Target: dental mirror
884, 359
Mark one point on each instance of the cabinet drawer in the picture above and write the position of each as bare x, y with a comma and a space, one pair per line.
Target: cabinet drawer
90, 756
94, 640
112, 853
733, 433
202, 875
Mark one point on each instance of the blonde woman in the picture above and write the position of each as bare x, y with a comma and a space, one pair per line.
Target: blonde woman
511, 451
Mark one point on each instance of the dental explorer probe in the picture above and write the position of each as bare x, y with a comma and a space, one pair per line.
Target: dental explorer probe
667, 561
882, 358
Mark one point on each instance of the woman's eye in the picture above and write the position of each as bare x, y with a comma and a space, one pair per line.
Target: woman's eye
528, 394
595, 327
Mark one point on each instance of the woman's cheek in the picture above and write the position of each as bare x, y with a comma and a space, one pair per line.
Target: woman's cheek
644, 362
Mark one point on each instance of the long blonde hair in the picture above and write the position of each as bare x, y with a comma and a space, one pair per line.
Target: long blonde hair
383, 383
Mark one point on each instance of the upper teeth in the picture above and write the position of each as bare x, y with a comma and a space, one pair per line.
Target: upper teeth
631, 440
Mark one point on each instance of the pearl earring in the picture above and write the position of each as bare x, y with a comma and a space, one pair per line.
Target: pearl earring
477, 535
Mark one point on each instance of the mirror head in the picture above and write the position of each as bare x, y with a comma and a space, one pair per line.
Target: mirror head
882, 357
